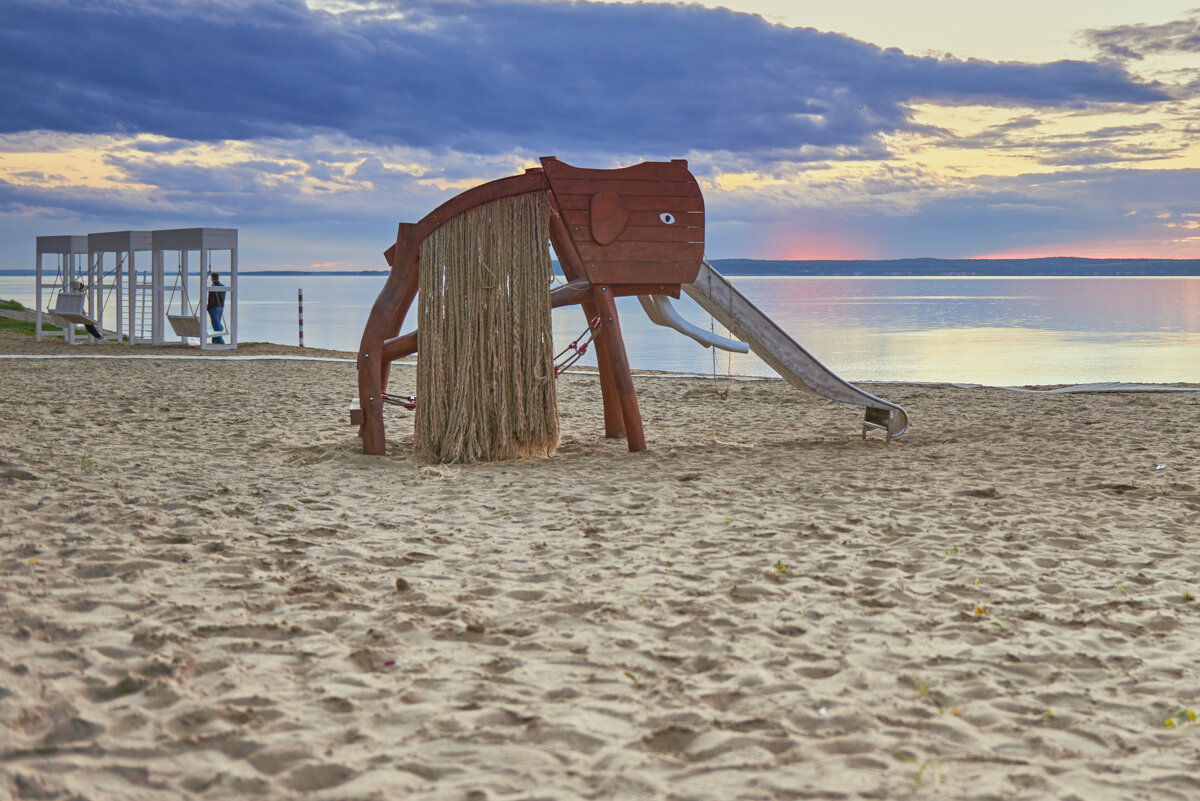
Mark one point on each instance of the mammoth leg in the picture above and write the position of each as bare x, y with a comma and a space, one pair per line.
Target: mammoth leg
572, 264
614, 418
618, 366
387, 314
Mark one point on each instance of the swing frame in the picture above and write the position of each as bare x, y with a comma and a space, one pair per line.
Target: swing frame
81, 257
72, 253
124, 246
191, 323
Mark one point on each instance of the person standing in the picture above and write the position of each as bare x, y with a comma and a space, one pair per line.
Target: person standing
216, 308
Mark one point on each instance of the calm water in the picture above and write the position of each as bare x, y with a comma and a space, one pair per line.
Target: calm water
977, 330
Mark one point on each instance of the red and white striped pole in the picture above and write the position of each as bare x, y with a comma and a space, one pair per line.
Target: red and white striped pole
300, 304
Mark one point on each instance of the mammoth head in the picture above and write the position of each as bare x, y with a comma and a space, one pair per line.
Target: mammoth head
635, 225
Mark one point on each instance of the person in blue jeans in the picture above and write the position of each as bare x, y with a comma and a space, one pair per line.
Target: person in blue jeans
216, 308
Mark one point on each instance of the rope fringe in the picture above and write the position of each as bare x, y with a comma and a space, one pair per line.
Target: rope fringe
485, 371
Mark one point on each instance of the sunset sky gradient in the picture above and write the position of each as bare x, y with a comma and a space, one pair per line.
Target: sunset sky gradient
863, 130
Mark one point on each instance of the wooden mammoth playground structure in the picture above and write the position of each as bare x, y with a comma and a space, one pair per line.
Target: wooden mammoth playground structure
486, 373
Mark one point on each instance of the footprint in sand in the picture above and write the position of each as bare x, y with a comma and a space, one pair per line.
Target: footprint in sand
274, 761
71, 730
307, 778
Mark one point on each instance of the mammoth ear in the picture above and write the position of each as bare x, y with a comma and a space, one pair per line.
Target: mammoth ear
608, 216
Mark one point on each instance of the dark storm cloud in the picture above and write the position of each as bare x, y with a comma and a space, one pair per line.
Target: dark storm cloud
492, 77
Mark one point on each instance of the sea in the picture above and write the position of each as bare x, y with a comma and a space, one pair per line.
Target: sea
1015, 331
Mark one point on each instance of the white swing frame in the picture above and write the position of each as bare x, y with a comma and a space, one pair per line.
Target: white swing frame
191, 324
82, 258
124, 245
72, 266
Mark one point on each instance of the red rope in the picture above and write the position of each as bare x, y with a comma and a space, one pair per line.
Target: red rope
408, 402
575, 351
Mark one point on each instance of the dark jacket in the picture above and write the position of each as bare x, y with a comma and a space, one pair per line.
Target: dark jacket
216, 300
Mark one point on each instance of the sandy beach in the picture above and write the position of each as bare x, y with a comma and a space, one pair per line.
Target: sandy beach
208, 591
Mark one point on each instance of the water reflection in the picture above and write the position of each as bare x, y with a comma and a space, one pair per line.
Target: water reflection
979, 330
1119, 304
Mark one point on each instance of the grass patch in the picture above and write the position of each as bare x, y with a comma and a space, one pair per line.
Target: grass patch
24, 326
20, 326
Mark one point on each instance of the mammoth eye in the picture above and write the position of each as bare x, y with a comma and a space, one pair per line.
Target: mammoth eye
667, 218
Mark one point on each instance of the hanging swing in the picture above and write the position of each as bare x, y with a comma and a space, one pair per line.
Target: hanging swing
68, 304
69, 308
185, 325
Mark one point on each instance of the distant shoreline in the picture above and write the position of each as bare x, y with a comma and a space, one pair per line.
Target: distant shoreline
950, 268
884, 268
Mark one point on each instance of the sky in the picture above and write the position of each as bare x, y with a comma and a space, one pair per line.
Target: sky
861, 130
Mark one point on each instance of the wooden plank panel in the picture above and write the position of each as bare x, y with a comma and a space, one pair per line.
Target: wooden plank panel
646, 250
589, 187
641, 272
580, 291
626, 290
641, 251
661, 233
636, 203
683, 219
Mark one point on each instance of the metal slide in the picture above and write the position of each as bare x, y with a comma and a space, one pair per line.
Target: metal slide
717, 296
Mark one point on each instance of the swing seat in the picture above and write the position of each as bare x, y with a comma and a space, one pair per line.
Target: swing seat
69, 308
184, 325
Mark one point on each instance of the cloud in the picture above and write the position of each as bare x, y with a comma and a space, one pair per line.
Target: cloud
315, 132
1135, 42
150, 183
1124, 144
992, 214
492, 78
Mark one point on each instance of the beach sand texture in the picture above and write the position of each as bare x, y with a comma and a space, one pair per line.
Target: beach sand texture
208, 591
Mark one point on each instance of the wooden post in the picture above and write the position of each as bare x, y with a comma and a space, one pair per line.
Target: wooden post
387, 314
610, 333
300, 312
